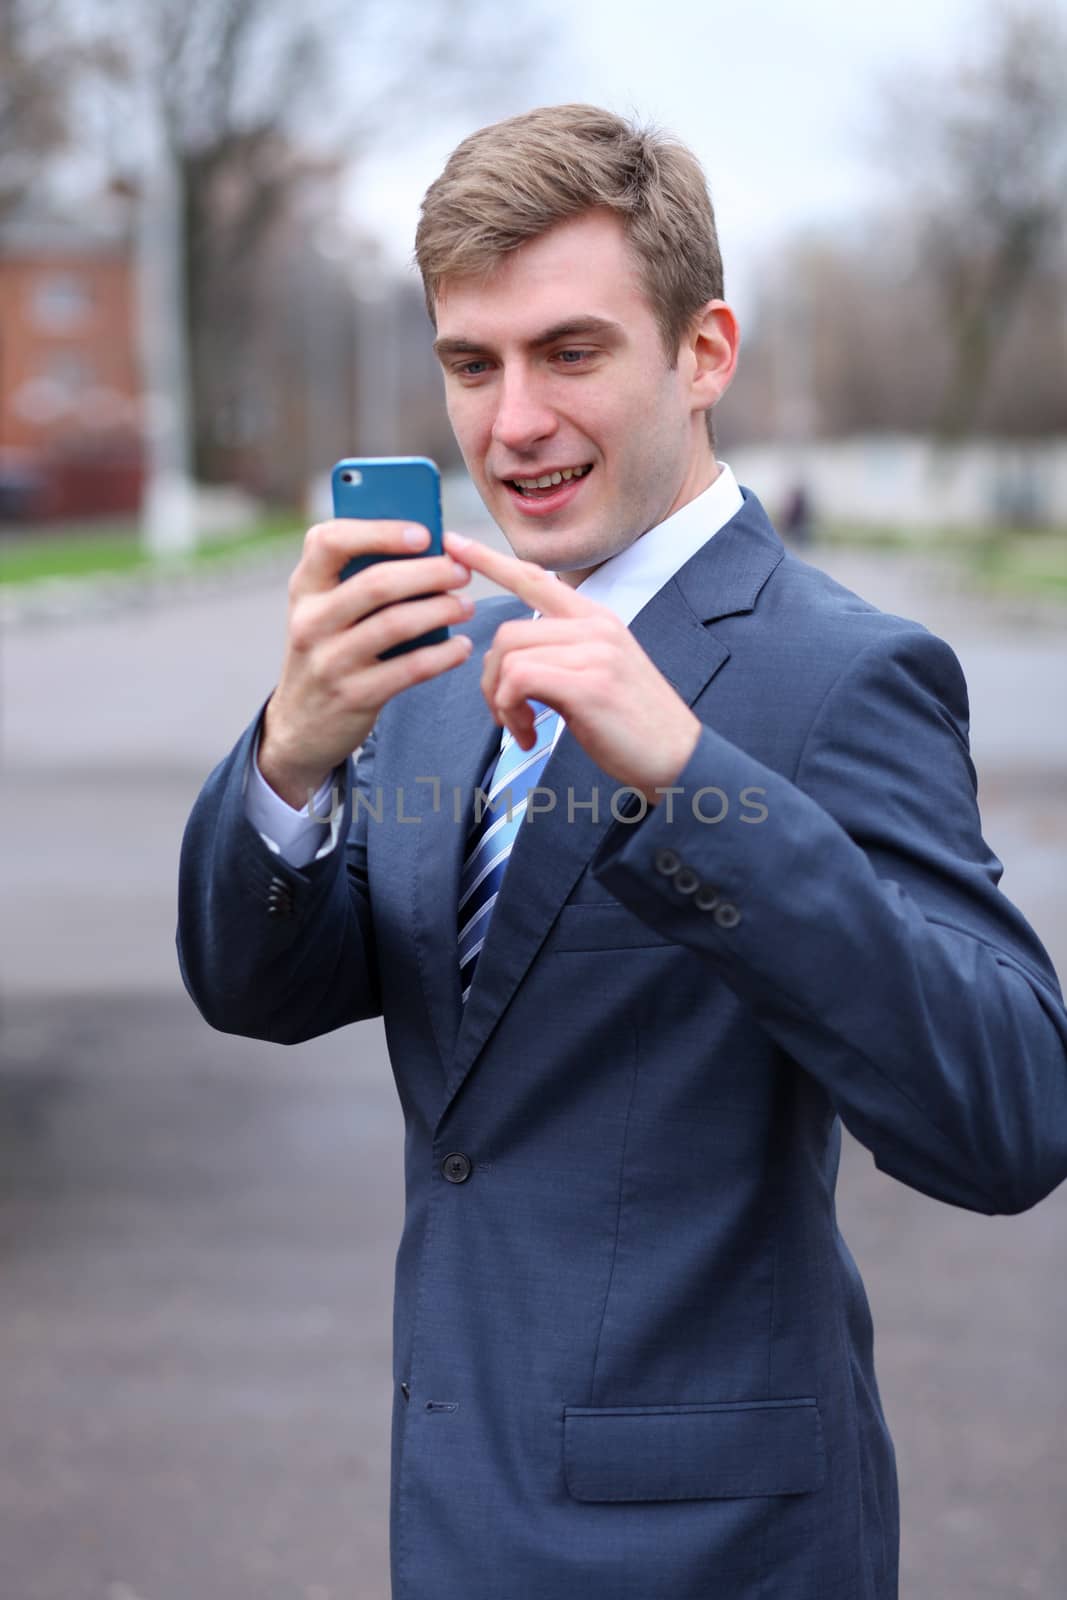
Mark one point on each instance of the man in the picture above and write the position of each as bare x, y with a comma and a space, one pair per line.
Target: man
633, 1356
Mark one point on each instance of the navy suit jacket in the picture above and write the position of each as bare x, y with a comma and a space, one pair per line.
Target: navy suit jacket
633, 1355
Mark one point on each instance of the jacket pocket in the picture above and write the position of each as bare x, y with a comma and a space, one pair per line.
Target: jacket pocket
693, 1452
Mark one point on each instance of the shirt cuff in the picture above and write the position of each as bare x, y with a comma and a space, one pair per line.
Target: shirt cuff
299, 837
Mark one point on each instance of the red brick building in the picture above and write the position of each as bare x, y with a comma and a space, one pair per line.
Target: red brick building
70, 406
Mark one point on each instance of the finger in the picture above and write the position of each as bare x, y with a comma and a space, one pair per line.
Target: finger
388, 678
538, 675
540, 589
555, 677
328, 545
393, 625
528, 633
385, 582
321, 615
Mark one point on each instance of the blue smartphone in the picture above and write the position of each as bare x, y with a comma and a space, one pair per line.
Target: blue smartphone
392, 488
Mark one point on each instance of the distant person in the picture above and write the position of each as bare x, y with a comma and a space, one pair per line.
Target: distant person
797, 519
746, 899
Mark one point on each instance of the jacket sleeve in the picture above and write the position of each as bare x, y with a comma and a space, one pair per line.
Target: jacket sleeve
856, 911
266, 949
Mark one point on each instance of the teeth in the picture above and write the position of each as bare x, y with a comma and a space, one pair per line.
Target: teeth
552, 478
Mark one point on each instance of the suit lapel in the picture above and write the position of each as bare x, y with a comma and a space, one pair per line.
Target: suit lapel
723, 578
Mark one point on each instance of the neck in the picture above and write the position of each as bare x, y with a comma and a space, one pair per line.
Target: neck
700, 477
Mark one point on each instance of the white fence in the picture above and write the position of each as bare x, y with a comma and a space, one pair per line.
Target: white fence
906, 482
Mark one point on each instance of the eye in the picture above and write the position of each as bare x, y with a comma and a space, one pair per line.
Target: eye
572, 358
471, 369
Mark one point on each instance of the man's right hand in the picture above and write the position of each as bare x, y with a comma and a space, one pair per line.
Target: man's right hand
332, 685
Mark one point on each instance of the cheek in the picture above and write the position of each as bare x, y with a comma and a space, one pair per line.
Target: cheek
465, 423
472, 424
640, 432
657, 425
647, 464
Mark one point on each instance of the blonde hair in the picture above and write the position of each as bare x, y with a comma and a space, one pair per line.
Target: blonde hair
511, 182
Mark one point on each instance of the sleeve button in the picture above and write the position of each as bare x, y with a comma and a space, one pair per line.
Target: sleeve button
706, 897
686, 880
667, 862
726, 915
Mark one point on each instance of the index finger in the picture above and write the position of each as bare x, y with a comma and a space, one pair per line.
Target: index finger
328, 545
540, 589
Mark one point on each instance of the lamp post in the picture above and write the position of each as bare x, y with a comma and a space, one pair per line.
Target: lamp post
168, 512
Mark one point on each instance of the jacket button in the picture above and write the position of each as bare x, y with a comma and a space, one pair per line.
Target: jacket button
667, 862
279, 898
726, 915
456, 1167
706, 897
686, 880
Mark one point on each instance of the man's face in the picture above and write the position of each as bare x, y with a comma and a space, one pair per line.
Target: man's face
556, 364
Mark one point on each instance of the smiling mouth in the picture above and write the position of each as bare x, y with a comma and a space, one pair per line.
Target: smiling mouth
548, 482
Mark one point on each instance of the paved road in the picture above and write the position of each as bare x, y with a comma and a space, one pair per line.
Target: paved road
196, 1232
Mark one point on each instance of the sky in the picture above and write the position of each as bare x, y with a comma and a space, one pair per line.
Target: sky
777, 98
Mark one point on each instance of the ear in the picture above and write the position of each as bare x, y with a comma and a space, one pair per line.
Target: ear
710, 350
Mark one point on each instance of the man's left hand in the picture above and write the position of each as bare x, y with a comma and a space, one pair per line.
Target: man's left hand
579, 658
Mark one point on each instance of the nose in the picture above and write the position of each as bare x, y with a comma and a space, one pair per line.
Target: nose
523, 418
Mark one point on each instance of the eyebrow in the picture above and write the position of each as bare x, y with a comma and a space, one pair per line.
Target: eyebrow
572, 328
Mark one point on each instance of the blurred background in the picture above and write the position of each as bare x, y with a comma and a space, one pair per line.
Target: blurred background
207, 212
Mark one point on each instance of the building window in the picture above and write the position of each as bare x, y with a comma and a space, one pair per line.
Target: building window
61, 300
69, 370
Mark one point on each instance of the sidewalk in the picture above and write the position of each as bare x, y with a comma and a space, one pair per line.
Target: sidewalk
199, 1231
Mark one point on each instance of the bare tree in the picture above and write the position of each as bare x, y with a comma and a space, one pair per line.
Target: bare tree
854, 322
982, 152
263, 105
33, 122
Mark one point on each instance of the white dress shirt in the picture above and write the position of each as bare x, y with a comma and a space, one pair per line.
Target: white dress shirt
624, 584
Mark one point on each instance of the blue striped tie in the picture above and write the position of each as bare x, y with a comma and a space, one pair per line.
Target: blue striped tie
489, 846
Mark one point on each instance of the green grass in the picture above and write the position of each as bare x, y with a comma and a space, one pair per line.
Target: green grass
27, 558
1024, 564
1004, 560
1009, 561
892, 536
